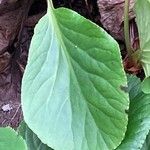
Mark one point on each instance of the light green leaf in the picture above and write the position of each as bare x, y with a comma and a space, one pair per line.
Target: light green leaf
146, 85
143, 22
33, 142
73, 89
139, 118
9, 140
146, 145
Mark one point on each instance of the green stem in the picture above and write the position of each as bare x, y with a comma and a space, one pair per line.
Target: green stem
126, 28
50, 3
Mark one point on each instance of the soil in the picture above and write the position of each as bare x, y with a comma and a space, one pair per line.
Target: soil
14, 47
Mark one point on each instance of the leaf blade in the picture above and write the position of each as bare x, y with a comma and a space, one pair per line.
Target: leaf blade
72, 69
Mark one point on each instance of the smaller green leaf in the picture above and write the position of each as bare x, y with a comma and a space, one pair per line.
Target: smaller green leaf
146, 85
142, 10
139, 117
146, 145
134, 86
33, 142
9, 140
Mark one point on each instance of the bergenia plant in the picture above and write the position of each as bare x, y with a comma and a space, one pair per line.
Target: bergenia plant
75, 93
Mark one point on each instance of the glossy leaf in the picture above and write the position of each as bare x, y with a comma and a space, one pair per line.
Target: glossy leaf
33, 142
9, 140
73, 89
143, 22
139, 117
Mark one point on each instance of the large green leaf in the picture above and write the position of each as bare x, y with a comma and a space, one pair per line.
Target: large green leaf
143, 22
33, 142
139, 117
73, 89
9, 140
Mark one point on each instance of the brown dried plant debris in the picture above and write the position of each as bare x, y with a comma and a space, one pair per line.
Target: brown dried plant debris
12, 17
112, 16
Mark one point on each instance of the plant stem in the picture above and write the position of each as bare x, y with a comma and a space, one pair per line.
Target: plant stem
126, 28
50, 3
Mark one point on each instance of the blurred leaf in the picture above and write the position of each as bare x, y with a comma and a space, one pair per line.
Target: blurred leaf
33, 142
9, 140
146, 145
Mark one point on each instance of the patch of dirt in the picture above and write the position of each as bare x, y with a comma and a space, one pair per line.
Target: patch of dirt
14, 44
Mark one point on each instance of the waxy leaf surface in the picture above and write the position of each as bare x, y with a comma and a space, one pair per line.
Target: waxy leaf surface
73, 89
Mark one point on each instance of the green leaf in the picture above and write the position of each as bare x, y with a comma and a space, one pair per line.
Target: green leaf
146, 145
9, 140
73, 89
134, 86
139, 117
146, 85
143, 22
33, 142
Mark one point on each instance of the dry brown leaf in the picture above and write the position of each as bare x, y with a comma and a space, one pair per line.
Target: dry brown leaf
112, 14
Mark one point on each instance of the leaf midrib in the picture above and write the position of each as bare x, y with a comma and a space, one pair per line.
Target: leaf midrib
70, 66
